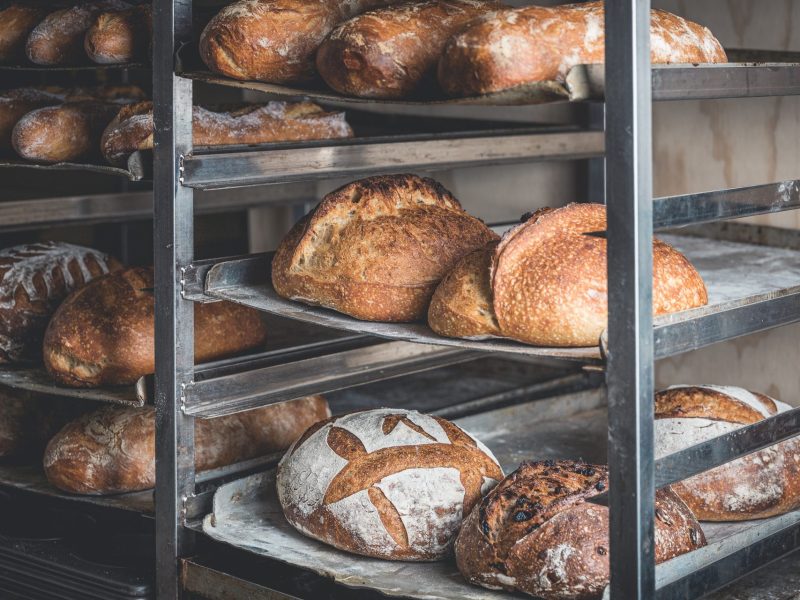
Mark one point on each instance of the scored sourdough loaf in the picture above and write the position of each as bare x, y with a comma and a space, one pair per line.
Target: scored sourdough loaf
376, 248
15, 104
756, 486
132, 129
535, 533
103, 334
58, 38
16, 23
121, 36
393, 52
112, 450
535, 43
387, 483
34, 280
547, 283
274, 40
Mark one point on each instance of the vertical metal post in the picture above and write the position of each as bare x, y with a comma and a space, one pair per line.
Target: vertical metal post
630, 265
596, 167
174, 320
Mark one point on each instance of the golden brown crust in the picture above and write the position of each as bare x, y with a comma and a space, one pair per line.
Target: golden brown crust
461, 306
375, 249
104, 334
120, 36
536, 533
132, 128
535, 43
562, 274
14, 104
112, 450
16, 23
373, 55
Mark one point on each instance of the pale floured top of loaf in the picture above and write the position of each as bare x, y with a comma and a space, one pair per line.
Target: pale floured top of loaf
376, 474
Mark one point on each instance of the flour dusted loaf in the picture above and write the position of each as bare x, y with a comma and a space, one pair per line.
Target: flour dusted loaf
759, 485
535, 43
376, 248
34, 280
104, 333
16, 23
112, 450
393, 52
58, 38
274, 40
121, 36
16, 103
548, 283
387, 483
132, 128
535, 533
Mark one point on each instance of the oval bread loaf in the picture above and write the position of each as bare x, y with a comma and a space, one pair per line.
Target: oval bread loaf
16, 23
132, 129
15, 104
34, 280
274, 40
393, 52
387, 483
535, 43
535, 533
549, 284
118, 37
105, 333
759, 485
112, 450
376, 248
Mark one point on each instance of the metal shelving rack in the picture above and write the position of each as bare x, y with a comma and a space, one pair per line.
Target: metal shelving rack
633, 342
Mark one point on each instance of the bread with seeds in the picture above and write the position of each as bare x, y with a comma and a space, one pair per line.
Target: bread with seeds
386, 483
535, 533
759, 485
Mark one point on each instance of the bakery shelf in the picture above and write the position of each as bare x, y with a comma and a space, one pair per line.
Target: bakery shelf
35, 379
139, 167
81, 67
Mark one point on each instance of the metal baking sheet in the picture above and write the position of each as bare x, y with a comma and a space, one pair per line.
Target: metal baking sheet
247, 514
139, 167
36, 379
81, 67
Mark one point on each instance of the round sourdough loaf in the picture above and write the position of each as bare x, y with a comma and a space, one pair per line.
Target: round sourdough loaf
104, 334
535, 532
527, 45
759, 485
387, 483
376, 248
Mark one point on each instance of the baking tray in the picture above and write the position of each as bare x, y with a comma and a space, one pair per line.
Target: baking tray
732, 271
140, 166
80, 67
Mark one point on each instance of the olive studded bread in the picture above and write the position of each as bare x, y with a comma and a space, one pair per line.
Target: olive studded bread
375, 249
759, 485
535, 533
386, 483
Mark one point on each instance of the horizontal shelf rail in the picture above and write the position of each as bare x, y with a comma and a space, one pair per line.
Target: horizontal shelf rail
223, 170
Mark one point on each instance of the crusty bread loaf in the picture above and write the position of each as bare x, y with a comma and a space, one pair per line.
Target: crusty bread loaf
112, 450
14, 104
34, 279
104, 333
376, 248
760, 485
132, 128
16, 23
536, 43
388, 483
274, 40
58, 38
393, 52
122, 36
549, 285
535, 532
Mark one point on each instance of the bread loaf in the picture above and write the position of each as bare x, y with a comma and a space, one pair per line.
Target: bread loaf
535, 533
14, 104
104, 333
549, 283
393, 52
387, 483
376, 248
122, 36
112, 450
16, 23
132, 128
34, 279
759, 485
58, 38
274, 40
535, 43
